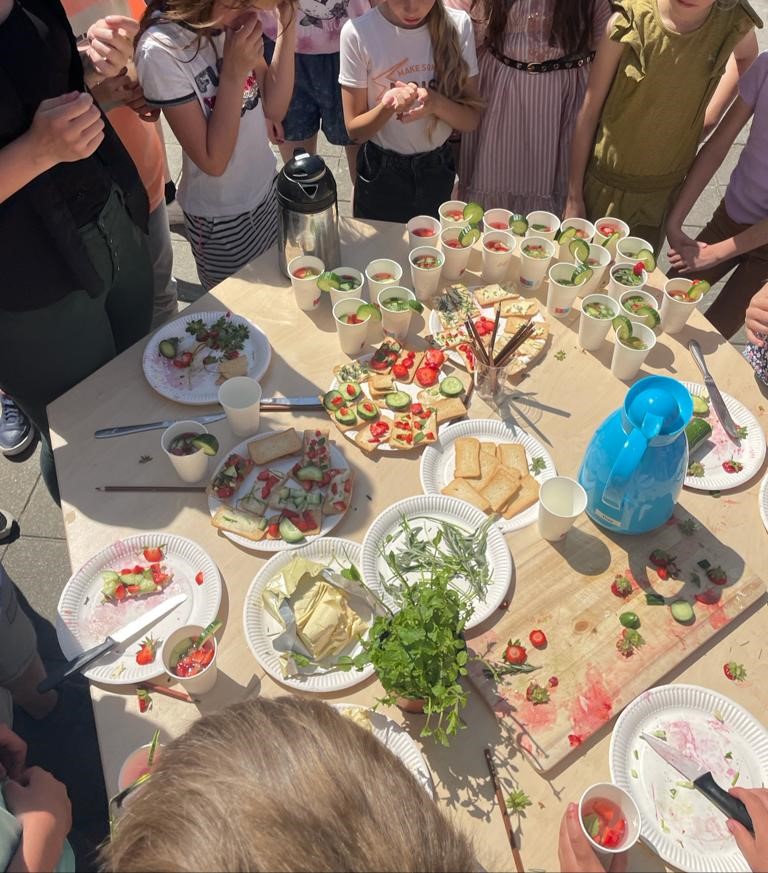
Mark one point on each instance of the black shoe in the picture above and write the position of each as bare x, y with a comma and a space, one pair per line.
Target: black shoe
170, 193
16, 432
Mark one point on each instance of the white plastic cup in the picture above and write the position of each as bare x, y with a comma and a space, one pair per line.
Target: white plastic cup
205, 679
628, 248
598, 260
648, 299
546, 220
496, 219
455, 259
423, 223
586, 231
352, 337
453, 206
426, 283
561, 297
533, 270
189, 468
382, 266
626, 362
241, 399
675, 312
628, 807
395, 324
593, 331
337, 294
615, 288
615, 224
135, 765
307, 294
496, 265
561, 502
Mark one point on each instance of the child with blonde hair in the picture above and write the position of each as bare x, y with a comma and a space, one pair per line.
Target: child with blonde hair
408, 76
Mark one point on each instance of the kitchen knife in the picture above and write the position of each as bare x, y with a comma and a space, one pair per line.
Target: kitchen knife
125, 633
268, 404
703, 780
718, 404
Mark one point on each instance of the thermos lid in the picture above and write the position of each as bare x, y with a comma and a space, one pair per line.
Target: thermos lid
305, 184
662, 400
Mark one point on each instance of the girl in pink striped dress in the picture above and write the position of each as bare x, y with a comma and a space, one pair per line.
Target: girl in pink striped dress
534, 58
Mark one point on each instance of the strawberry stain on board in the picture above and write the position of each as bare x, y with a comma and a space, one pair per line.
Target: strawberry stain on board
535, 717
592, 707
717, 615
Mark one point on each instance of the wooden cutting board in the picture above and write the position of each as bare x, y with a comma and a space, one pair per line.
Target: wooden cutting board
565, 590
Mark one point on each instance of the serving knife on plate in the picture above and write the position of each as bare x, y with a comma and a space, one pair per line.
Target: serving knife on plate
132, 629
268, 404
718, 404
702, 780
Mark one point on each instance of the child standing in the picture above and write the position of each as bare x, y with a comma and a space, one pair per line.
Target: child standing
737, 234
643, 114
534, 59
202, 63
408, 77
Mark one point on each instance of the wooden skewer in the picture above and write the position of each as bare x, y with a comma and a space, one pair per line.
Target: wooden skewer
494, 332
511, 347
504, 814
480, 349
158, 489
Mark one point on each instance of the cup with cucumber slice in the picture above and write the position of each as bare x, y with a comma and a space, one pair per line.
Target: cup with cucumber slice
352, 317
633, 343
543, 224
572, 230
341, 282
426, 271
635, 248
397, 306
456, 245
536, 254
624, 276
608, 232
597, 314
564, 283
680, 299
452, 213
304, 272
188, 446
640, 307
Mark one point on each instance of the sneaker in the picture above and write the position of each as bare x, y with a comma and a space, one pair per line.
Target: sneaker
16, 431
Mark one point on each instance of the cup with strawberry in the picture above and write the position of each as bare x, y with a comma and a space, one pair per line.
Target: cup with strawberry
498, 249
188, 656
422, 231
185, 450
304, 272
352, 317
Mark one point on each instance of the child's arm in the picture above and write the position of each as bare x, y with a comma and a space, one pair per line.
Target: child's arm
738, 63
276, 80
695, 256
363, 123
211, 142
460, 116
601, 77
703, 168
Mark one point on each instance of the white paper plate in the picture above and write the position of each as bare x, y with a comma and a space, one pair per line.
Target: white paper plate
260, 627
84, 620
174, 383
438, 461
399, 742
701, 724
449, 509
720, 447
763, 499
328, 522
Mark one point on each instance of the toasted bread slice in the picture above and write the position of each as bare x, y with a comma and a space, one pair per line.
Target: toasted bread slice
467, 458
525, 497
522, 306
381, 384
491, 294
502, 487
276, 445
513, 457
243, 523
368, 440
339, 493
464, 491
231, 367
488, 467
490, 449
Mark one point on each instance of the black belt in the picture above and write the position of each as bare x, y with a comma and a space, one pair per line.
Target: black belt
543, 66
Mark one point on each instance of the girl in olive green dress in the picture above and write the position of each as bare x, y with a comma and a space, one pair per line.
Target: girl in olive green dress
654, 88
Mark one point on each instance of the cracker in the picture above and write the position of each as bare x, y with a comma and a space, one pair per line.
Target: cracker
381, 384
491, 294
526, 496
464, 491
274, 446
513, 457
502, 487
369, 443
523, 306
242, 523
488, 467
467, 458
514, 323
490, 449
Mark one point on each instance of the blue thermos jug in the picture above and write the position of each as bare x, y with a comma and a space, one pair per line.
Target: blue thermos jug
635, 465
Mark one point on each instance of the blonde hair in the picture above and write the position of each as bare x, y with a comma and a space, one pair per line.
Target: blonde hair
451, 70
282, 785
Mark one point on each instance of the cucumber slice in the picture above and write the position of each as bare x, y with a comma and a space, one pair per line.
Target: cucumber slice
700, 405
310, 473
645, 256
367, 410
634, 342
332, 400
518, 224
346, 416
623, 327
698, 289
650, 316
451, 386
696, 431
580, 250
469, 236
349, 391
328, 281
368, 310
289, 532
473, 213
207, 442
169, 347
398, 400
567, 235
581, 274
612, 239
682, 611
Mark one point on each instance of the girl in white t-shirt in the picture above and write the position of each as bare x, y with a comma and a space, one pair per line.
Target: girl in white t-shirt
408, 77
202, 63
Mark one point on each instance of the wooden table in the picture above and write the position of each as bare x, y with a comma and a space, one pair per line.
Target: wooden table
305, 349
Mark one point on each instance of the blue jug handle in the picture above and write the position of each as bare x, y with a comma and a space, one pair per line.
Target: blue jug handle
629, 459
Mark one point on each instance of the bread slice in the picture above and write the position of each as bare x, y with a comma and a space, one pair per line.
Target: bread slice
525, 497
467, 458
231, 367
464, 491
513, 457
243, 523
490, 450
502, 488
488, 467
370, 443
276, 445
491, 294
522, 306
381, 384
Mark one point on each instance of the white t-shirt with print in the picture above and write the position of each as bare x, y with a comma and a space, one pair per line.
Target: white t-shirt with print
375, 54
171, 71
320, 23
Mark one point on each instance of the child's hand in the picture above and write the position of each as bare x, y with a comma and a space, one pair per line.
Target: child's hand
426, 104
275, 132
576, 854
400, 98
754, 848
286, 13
757, 320
65, 128
39, 800
13, 753
110, 44
243, 47
134, 98
696, 256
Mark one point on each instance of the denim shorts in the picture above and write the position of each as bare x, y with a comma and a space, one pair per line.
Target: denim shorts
316, 98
